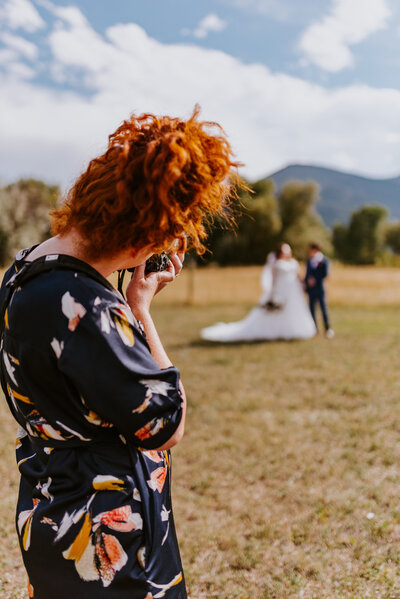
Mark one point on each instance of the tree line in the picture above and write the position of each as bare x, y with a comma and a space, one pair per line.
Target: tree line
24, 215
267, 217
264, 217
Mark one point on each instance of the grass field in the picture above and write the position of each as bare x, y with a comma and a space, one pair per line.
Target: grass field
287, 481
347, 286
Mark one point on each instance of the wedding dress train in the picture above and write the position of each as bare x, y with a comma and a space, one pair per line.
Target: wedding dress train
291, 319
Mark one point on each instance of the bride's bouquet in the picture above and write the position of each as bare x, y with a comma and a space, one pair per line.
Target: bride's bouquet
272, 306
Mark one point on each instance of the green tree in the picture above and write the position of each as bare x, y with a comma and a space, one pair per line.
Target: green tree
24, 215
392, 237
264, 220
258, 226
3, 246
301, 225
363, 240
340, 242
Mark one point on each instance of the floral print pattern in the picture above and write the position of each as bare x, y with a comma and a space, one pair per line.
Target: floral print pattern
93, 407
98, 555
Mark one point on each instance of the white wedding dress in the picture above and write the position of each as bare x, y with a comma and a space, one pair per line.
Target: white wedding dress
293, 320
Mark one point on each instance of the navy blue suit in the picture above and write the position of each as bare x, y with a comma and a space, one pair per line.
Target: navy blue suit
316, 293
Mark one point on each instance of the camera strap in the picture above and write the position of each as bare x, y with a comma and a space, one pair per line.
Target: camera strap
120, 281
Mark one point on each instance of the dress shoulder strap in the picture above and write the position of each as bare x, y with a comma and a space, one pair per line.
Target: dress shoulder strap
30, 270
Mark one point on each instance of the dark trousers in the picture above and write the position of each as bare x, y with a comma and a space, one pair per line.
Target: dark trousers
319, 299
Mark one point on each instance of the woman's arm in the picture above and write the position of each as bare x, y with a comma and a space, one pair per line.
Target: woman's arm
140, 293
160, 355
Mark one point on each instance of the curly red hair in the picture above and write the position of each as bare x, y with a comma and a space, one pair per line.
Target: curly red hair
160, 178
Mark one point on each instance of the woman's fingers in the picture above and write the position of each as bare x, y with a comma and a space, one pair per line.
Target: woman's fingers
142, 287
176, 261
164, 277
172, 271
167, 276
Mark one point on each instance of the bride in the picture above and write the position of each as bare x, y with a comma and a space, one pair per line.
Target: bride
282, 313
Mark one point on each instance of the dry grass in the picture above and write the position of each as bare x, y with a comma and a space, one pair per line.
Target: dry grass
289, 447
347, 286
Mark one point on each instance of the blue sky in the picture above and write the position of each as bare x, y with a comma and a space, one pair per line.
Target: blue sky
266, 32
315, 81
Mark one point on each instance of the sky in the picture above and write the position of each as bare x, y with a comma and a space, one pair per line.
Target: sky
310, 82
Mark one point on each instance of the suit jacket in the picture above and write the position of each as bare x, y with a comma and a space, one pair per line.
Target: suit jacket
319, 273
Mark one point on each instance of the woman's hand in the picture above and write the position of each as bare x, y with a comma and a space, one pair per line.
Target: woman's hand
142, 288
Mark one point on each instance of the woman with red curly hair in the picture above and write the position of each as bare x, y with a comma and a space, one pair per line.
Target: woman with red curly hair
85, 374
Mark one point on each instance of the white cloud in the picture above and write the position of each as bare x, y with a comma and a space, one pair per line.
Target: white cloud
20, 45
271, 119
326, 43
21, 14
211, 23
71, 15
19, 70
7, 55
10, 57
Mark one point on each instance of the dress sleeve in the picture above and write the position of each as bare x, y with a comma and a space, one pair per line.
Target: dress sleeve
108, 361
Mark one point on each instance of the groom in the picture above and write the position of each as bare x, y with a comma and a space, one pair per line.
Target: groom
316, 273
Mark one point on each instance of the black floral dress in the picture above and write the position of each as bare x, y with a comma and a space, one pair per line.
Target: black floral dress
94, 514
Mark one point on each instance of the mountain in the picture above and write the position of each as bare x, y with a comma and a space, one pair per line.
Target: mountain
342, 193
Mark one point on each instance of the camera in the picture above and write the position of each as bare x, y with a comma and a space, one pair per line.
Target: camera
159, 262
156, 263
